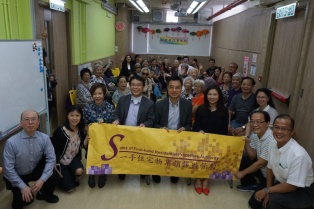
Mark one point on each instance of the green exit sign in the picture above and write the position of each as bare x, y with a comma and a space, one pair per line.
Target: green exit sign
286, 11
57, 5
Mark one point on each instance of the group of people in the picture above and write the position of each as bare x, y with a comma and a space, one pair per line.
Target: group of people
200, 104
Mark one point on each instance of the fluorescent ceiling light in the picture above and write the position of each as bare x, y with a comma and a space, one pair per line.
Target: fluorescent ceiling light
140, 5
195, 4
199, 6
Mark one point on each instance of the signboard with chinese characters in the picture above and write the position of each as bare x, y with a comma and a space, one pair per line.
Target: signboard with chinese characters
286, 11
134, 150
173, 40
57, 5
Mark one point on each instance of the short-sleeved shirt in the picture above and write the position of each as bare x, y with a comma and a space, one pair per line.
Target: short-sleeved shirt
290, 164
261, 145
242, 107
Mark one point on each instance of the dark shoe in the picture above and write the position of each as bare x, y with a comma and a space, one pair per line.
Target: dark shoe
174, 180
156, 178
101, 181
48, 198
121, 176
77, 183
91, 181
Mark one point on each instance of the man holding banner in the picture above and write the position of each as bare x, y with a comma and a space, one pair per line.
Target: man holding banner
134, 109
256, 147
173, 113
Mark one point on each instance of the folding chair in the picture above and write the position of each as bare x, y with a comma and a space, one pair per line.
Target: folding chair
72, 94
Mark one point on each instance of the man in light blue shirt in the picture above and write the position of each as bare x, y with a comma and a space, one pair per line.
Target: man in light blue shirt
29, 156
173, 113
134, 109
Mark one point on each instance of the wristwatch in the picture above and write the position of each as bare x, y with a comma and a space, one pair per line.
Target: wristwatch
243, 127
266, 189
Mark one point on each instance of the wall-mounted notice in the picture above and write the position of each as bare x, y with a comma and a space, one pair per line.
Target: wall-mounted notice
246, 65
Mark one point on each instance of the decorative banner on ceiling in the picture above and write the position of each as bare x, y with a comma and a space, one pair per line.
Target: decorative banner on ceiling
173, 40
134, 150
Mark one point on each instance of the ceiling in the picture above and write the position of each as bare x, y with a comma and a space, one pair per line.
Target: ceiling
166, 4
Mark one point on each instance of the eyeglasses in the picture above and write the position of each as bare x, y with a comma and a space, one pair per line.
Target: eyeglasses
261, 97
283, 129
145, 73
29, 119
252, 122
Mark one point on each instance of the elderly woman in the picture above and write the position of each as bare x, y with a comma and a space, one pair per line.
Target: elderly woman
138, 69
122, 89
184, 70
187, 91
148, 88
98, 74
198, 99
83, 95
193, 73
98, 111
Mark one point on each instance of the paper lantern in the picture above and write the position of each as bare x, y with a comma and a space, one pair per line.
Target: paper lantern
152, 32
139, 28
166, 30
199, 34
205, 32
192, 34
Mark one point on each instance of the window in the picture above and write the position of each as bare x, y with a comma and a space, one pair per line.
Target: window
170, 17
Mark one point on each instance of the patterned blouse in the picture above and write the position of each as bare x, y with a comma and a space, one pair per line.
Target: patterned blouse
72, 149
94, 80
188, 96
94, 113
117, 94
83, 95
225, 93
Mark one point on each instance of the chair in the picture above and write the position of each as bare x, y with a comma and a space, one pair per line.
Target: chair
72, 94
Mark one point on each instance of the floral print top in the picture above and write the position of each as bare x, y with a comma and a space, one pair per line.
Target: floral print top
100, 114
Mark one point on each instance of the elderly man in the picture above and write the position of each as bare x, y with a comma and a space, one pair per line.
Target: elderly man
254, 164
289, 171
241, 106
29, 156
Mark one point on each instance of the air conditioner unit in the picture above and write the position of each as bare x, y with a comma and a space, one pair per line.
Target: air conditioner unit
157, 15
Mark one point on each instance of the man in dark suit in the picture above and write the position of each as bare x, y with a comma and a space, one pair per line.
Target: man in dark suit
134, 109
173, 113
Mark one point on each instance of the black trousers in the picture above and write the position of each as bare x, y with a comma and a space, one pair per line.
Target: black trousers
301, 198
249, 179
47, 189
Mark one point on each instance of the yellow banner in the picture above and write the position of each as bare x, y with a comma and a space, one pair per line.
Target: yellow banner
134, 150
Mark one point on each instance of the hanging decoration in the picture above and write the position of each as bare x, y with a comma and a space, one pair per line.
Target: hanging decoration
192, 34
178, 29
158, 31
152, 32
185, 31
167, 30
139, 29
205, 32
199, 34
145, 30
173, 30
